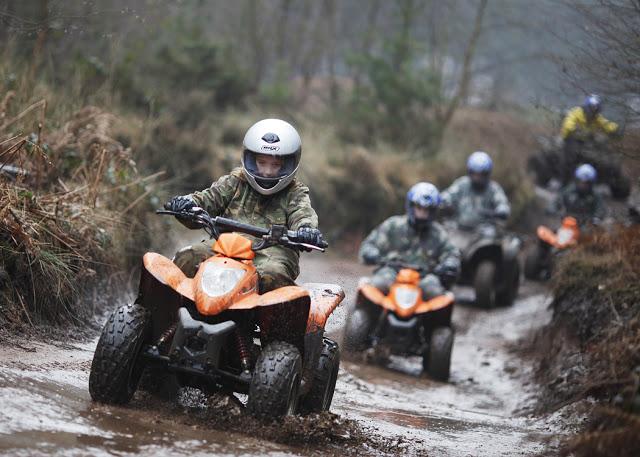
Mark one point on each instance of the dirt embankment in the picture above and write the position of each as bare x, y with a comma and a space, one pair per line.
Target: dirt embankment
71, 203
590, 352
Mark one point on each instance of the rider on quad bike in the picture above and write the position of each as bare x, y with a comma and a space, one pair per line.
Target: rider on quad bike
479, 207
263, 192
476, 198
227, 316
413, 238
584, 138
579, 199
579, 206
404, 309
583, 123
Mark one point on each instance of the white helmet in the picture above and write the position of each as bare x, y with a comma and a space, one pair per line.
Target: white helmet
276, 138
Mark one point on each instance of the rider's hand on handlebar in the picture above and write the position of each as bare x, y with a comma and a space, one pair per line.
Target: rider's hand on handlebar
448, 273
180, 203
310, 235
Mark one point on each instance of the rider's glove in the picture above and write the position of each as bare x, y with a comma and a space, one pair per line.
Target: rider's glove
494, 214
447, 271
370, 255
309, 235
180, 204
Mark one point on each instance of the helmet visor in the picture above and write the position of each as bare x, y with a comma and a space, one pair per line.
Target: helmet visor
270, 169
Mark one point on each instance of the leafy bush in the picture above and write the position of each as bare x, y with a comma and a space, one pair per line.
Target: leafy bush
392, 104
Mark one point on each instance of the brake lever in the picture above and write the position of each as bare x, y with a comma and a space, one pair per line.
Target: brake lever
310, 247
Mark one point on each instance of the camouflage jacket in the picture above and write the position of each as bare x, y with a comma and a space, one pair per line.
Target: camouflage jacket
584, 207
395, 239
470, 206
231, 196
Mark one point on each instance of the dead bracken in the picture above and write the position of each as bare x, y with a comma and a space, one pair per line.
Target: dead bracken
65, 216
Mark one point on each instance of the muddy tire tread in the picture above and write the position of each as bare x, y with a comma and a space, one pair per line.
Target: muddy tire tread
484, 284
269, 388
116, 351
532, 263
356, 330
437, 361
328, 364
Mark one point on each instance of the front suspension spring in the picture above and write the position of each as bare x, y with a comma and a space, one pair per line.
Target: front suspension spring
244, 350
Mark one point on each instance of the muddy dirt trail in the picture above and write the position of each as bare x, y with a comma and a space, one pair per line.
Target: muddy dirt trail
45, 408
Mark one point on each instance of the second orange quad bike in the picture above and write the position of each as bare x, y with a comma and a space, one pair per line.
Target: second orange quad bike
538, 262
403, 322
216, 332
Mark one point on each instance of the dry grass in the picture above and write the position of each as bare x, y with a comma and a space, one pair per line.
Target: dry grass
63, 219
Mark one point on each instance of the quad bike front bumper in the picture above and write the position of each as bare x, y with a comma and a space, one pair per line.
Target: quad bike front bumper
195, 350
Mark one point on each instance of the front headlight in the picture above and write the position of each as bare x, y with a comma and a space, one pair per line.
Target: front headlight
406, 297
564, 235
217, 281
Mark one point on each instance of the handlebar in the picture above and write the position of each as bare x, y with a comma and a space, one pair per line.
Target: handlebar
214, 226
400, 265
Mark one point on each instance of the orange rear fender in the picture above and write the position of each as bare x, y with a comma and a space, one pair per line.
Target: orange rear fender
165, 271
324, 299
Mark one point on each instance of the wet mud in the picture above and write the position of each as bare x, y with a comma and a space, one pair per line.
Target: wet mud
485, 409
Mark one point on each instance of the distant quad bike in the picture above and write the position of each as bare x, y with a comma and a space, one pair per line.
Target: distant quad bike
539, 258
403, 322
489, 264
216, 333
555, 162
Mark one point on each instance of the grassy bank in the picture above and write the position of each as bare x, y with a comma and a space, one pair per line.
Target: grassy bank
592, 345
72, 204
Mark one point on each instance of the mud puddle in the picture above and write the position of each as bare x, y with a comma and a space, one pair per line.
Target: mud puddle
46, 409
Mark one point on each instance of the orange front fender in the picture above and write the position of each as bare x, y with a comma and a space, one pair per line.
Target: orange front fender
439, 302
547, 235
166, 272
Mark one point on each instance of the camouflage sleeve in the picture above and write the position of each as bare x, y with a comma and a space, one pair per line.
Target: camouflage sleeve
300, 213
599, 210
556, 206
450, 195
216, 198
501, 205
376, 245
449, 254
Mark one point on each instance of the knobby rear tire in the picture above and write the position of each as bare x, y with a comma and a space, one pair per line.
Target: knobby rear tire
484, 284
324, 382
356, 330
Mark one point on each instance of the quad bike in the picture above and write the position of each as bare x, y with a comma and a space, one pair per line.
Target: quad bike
489, 264
556, 162
540, 256
403, 322
217, 333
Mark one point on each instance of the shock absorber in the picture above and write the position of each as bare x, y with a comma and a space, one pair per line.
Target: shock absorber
244, 350
166, 335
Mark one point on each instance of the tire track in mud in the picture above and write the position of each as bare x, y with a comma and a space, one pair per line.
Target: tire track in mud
46, 408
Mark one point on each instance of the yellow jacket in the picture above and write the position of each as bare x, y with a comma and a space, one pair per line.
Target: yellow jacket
575, 124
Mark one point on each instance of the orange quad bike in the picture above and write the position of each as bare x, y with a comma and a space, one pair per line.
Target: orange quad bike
216, 332
402, 322
538, 262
